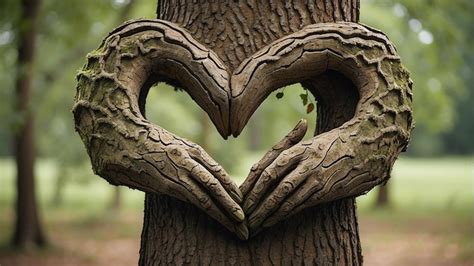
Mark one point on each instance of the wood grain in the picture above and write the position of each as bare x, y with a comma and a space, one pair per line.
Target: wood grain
364, 122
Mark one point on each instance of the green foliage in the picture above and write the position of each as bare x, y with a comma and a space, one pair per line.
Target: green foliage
304, 97
307, 102
434, 38
67, 30
441, 213
304, 100
309, 108
449, 194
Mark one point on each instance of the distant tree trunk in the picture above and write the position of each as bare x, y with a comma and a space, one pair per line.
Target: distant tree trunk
255, 132
206, 128
116, 203
382, 196
51, 77
58, 196
175, 232
28, 230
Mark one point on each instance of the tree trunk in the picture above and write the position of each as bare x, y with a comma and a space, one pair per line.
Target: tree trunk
28, 230
116, 202
206, 128
58, 195
382, 196
176, 232
255, 132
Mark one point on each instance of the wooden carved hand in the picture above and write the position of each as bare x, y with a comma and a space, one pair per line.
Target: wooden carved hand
126, 149
348, 160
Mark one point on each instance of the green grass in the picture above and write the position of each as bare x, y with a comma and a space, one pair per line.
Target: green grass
421, 186
429, 188
429, 197
443, 185
85, 194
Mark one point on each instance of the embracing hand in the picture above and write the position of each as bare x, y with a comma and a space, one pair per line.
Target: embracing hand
191, 174
210, 188
126, 149
200, 180
278, 174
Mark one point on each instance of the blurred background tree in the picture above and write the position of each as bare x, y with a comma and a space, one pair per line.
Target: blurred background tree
434, 39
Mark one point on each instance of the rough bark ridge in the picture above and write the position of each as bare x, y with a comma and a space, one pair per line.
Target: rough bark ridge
332, 234
237, 29
348, 160
125, 148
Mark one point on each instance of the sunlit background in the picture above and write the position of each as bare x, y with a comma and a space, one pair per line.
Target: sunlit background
424, 217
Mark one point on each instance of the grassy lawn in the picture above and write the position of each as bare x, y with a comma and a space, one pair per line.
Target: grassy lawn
436, 186
430, 218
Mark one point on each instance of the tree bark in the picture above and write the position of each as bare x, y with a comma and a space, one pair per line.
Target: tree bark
28, 230
177, 232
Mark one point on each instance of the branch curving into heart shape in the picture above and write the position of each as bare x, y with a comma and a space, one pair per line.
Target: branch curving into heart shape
126, 149
346, 161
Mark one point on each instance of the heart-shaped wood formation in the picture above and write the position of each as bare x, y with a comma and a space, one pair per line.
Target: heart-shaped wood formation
126, 149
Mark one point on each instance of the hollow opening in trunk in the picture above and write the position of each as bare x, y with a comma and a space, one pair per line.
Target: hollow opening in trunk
154, 81
337, 98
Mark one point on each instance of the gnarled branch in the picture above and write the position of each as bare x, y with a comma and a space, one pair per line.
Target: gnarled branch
346, 161
124, 147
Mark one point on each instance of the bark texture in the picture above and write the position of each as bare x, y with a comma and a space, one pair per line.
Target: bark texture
177, 233
322, 235
28, 230
229, 57
348, 160
125, 148
237, 29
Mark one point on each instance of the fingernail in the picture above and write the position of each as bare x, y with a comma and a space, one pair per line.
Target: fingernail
247, 205
252, 222
242, 232
303, 122
239, 214
237, 195
241, 196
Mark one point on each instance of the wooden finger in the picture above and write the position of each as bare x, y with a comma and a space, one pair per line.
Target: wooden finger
293, 137
272, 202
